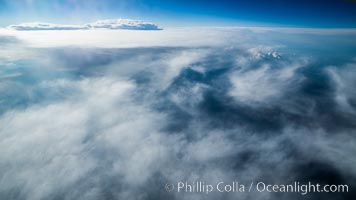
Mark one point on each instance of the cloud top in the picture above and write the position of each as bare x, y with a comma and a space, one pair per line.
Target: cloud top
127, 24
44, 26
123, 24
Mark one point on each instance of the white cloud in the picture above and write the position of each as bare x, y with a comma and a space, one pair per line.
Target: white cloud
60, 144
128, 24
90, 131
264, 83
241, 37
123, 24
344, 81
44, 26
105, 38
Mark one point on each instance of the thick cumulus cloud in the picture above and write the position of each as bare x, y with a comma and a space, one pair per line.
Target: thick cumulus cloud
128, 24
79, 122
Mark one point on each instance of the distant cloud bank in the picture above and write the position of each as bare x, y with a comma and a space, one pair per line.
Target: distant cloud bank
127, 24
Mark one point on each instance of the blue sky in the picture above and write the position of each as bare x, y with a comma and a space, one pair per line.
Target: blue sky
299, 13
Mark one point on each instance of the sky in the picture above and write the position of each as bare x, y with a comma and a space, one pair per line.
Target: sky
293, 13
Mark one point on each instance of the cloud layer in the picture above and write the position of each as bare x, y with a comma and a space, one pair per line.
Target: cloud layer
119, 123
127, 24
